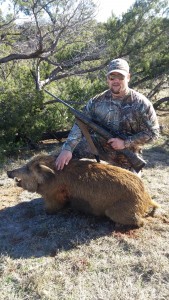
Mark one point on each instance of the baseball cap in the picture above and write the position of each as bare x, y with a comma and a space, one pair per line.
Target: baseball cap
118, 65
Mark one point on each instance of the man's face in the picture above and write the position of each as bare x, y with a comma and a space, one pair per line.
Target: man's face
118, 83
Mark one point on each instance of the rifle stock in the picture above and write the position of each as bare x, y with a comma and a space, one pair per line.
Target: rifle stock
136, 162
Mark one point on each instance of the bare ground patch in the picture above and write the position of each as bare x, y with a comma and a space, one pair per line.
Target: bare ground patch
75, 256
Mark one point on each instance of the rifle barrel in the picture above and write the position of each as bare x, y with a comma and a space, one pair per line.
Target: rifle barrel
60, 100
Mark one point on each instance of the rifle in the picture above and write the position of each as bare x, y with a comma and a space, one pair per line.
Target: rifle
136, 162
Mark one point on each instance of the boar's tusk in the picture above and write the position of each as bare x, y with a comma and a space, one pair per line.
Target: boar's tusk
47, 169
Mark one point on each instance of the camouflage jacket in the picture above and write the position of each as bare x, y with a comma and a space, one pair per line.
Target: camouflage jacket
132, 115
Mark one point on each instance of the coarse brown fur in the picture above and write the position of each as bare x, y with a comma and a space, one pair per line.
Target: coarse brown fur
100, 189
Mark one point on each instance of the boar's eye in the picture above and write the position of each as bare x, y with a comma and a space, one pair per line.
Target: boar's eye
27, 169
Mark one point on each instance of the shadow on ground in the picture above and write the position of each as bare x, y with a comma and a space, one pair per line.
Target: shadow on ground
155, 156
26, 230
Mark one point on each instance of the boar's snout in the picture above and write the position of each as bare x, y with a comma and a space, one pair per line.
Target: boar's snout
12, 174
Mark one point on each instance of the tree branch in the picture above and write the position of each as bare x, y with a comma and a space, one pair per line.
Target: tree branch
160, 101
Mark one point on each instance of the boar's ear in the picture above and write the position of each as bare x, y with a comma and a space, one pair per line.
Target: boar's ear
47, 169
43, 173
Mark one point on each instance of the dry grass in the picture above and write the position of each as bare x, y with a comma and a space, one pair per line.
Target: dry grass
71, 256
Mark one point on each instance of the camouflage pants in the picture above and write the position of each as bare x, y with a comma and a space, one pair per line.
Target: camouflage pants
106, 153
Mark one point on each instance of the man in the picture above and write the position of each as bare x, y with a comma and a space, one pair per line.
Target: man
118, 108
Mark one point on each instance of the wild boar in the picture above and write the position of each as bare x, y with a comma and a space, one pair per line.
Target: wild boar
100, 189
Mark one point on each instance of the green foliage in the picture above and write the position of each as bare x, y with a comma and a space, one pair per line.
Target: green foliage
81, 89
70, 51
24, 119
22, 115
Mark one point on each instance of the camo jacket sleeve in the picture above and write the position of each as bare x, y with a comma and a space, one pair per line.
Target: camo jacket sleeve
141, 123
75, 134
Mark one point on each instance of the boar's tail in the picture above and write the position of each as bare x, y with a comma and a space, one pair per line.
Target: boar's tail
154, 204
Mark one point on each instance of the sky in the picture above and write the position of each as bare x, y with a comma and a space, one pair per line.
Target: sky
106, 7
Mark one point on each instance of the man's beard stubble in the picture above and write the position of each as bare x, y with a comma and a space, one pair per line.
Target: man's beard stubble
116, 92
120, 91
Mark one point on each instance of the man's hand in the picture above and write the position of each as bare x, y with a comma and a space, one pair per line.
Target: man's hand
63, 159
116, 143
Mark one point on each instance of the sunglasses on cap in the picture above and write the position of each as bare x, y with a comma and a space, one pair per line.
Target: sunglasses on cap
117, 76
